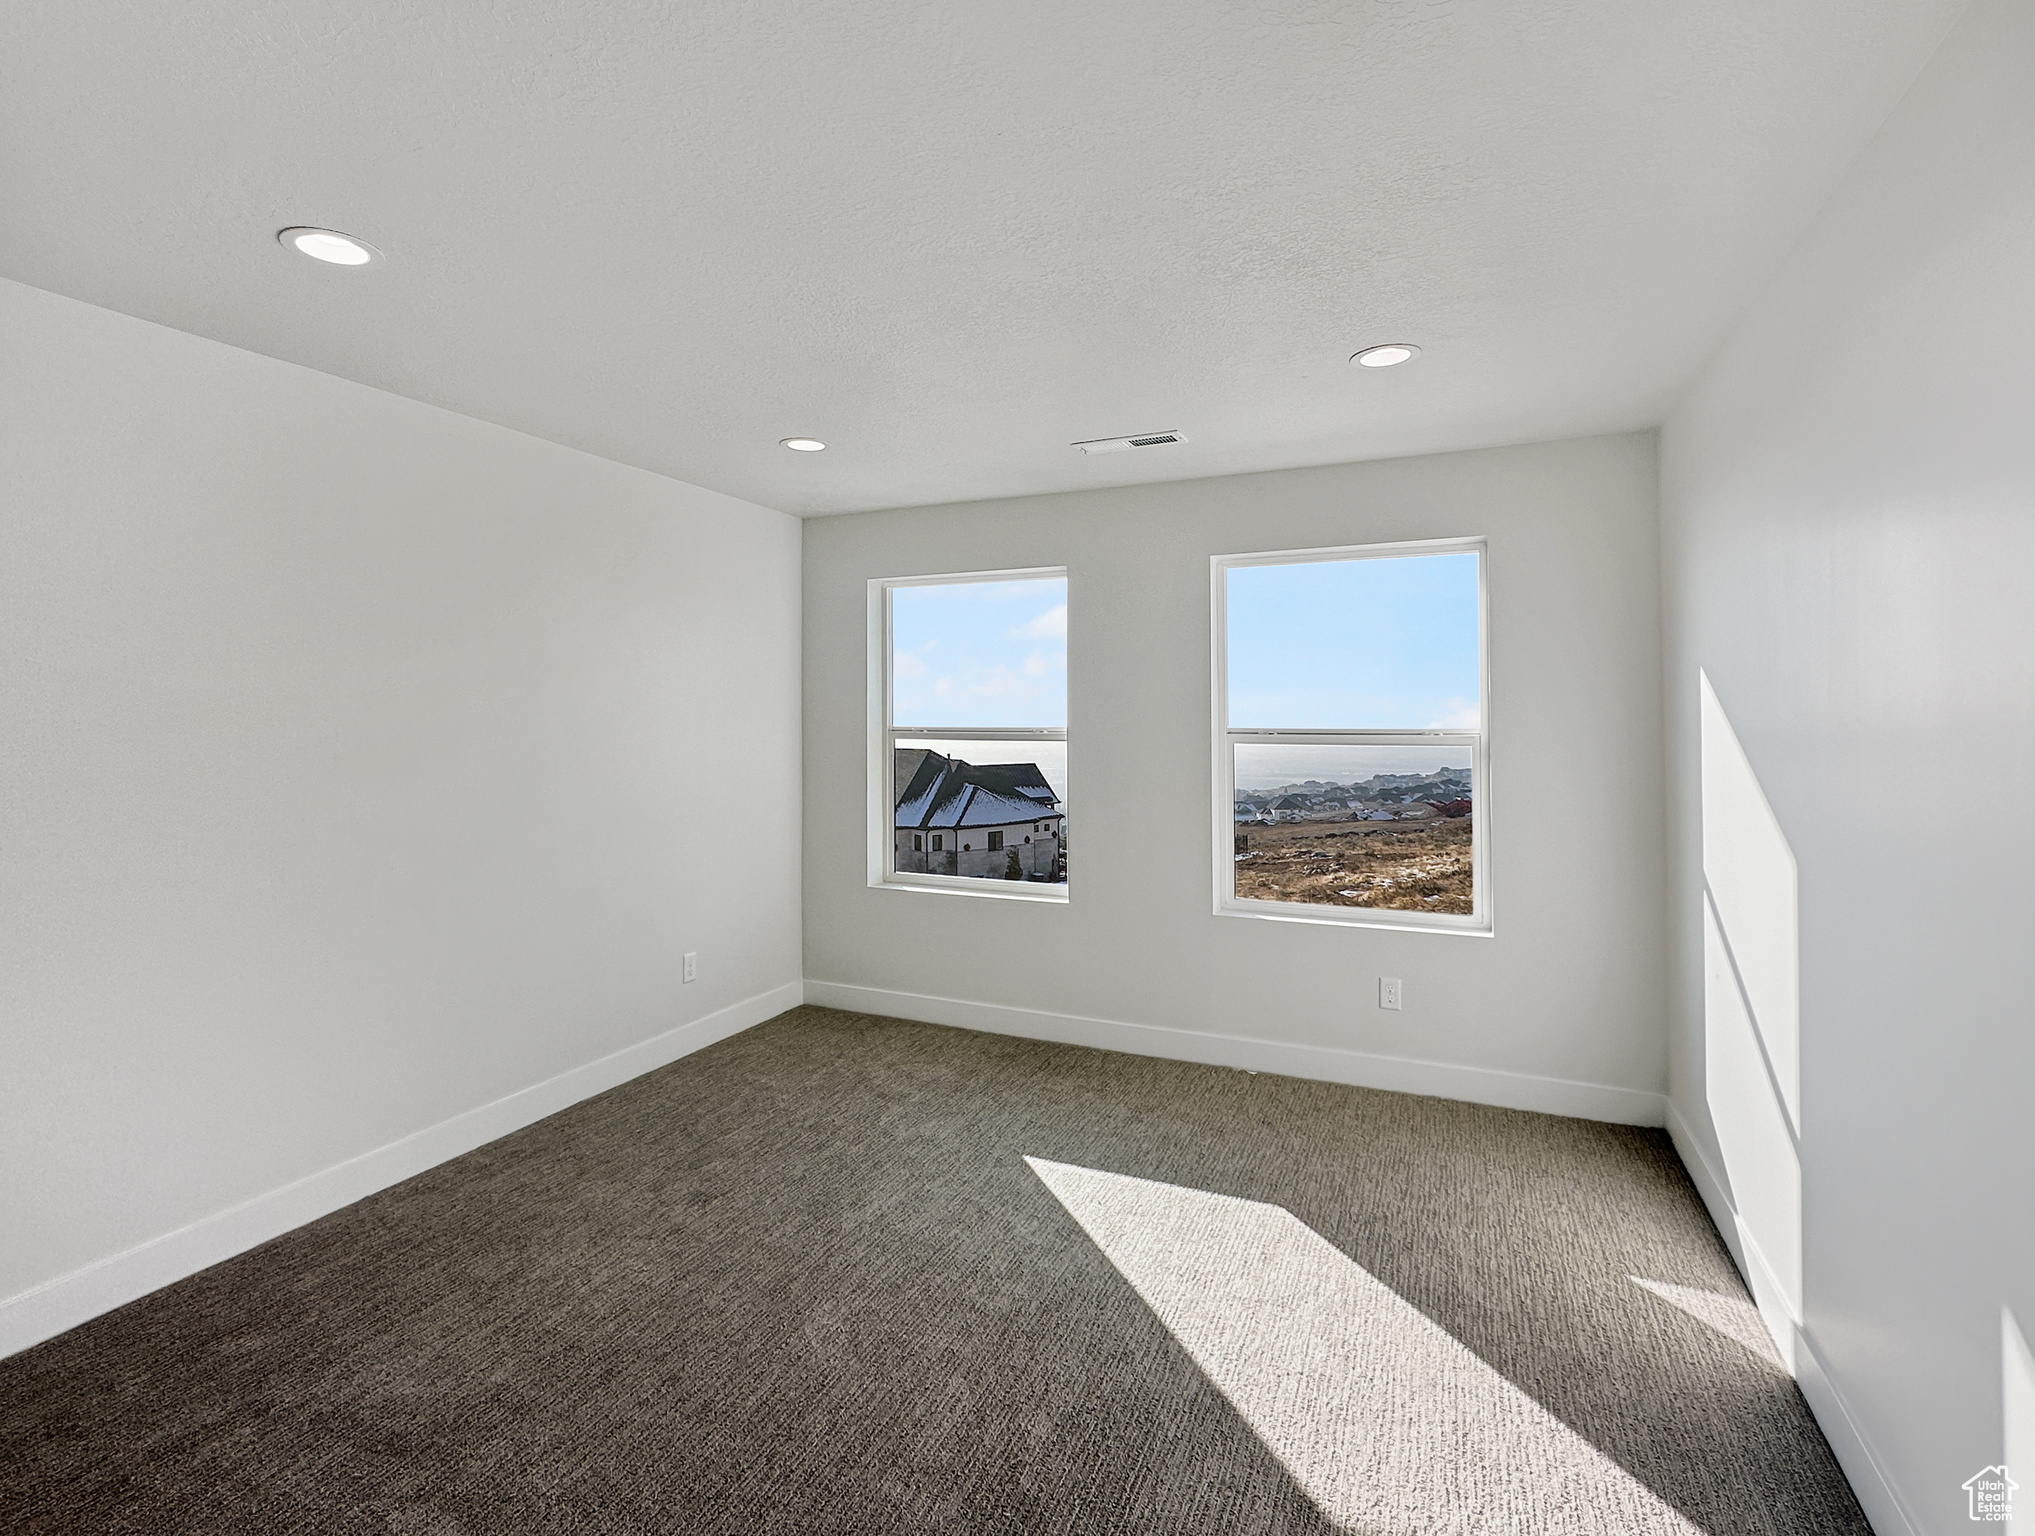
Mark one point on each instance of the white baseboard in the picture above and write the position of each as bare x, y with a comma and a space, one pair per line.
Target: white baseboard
1771, 1297
1436, 1079
1877, 1496
1723, 1209
1882, 1503
48, 1309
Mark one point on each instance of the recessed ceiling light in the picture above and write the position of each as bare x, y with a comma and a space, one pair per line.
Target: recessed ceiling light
803, 444
1385, 356
329, 245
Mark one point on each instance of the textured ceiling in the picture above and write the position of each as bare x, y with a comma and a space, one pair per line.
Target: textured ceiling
951, 238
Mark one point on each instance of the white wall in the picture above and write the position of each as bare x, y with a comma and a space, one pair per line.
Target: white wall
1849, 532
1562, 1009
360, 764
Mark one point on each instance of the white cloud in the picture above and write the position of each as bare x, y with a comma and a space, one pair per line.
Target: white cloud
1050, 625
1457, 715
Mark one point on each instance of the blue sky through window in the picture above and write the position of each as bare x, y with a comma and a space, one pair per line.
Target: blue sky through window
1377, 644
980, 653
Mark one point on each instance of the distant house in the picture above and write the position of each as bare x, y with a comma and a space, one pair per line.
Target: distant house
997, 821
1453, 807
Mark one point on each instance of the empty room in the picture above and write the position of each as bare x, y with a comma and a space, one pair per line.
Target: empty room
936, 768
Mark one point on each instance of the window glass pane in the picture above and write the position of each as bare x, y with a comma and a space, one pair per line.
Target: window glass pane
980, 653
962, 792
1355, 826
1380, 644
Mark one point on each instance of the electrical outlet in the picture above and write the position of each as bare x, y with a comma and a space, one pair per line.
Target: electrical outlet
692, 968
1388, 991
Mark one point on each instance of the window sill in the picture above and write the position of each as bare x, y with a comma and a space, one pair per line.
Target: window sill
1358, 917
963, 885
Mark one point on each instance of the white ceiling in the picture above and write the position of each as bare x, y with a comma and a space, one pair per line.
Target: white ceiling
950, 237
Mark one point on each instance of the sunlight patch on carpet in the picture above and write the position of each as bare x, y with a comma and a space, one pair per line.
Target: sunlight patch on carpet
1736, 1318
1385, 1420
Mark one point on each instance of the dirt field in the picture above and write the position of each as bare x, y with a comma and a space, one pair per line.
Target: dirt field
1409, 866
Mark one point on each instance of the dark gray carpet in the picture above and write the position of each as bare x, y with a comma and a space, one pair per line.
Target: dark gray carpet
807, 1281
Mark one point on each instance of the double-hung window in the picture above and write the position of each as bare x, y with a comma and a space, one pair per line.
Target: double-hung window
1352, 777
968, 733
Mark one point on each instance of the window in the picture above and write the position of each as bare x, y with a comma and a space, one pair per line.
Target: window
1350, 770
968, 733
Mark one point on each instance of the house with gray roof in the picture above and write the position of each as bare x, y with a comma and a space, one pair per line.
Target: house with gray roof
998, 821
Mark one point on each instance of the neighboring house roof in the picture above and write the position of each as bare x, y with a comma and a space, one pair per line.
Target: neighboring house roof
947, 792
906, 763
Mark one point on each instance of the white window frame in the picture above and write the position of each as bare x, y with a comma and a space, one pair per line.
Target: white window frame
884, 737
1478, 923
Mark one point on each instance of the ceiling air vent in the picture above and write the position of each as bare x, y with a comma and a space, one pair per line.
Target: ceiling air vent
1119, 444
